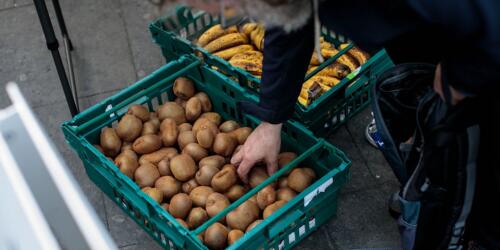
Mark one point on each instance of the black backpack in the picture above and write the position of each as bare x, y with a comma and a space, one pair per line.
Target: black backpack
432, 148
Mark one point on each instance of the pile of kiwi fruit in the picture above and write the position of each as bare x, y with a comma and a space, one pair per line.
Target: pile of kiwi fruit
179, 155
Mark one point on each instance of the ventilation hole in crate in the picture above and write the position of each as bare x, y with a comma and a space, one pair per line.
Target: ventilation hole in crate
232, 112
224, 107
199, 24
294, 135
231, 93
224, 89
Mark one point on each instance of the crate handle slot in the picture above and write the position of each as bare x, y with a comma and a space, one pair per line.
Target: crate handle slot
259, 187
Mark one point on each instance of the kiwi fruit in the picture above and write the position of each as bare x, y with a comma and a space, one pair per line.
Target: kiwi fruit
147, 144
196, 151
206, 105
125, 145
129, 128
164, 167
197, 216
213, 160
168, 132
235, 192
224, 144
185, 138
204, 123
139, 111
285, 194
229, 166
181, 102
129, 153
156, 156
283, 182
241, 134
185, 127
257, 175
180, 205
182, 222
193, 109
110, 142
213, 117
223, 180
272, 208
200, 194
126, 164
266, 196
171, 110
215, 203
183, 88
149, 128
228, 126
205, 174
165, 206
154, 193
310, 172
145, 175
299, 179
285, 157
188, 186
183, 167
205, 138
153, 118
216, 236
251, 226
234, 235
168, 185
243, 215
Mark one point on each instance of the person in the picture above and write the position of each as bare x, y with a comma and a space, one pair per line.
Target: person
461, 37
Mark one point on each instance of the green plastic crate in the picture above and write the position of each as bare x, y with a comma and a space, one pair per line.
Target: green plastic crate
282, 230
181, 25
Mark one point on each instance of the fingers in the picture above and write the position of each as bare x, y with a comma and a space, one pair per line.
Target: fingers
272, 166
237, 158
244, 168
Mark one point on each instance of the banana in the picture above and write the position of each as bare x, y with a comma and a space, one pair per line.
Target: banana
357, 53
335, 69
252, 66
228, 53
303, 101
257, 37
224, 42
215, 32
325, 82
249, 55
248, 28
345, 59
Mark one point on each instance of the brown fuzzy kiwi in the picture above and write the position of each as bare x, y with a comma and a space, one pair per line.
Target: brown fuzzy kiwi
110, 142
200, 194
241, 134
193, 109
234, 235
285, 193
204, 123
197, 216
181, 102
235, 192
185, 127
206, 105
154, 193
126, 164
224, 144
223, 180
145, 175
283, 182
285, 157
205, 138
156, 156
213, 117
183, 167
149, 128
153, 118
168, 185
125, 145
147, 144
165, 206
298, 180
310, 172
182, 222
242, 216
229, 166
188, 186
129, 153
257, 175
215, 203
266, 196
183, 88
185, 138
272, 208
129, 128
251, 226
139, 111
205, 174
213, 160
196, 151
164, 167
228, 126
216, 236
180, 205
171, 110
168, 132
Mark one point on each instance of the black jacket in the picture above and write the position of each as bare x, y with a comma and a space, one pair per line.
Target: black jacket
463, 35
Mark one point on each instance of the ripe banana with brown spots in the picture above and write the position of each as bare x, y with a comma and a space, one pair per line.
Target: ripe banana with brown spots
247, 28
357, 53
254, 66
224, 42
345, 59
215, 32
227, 54
335, 69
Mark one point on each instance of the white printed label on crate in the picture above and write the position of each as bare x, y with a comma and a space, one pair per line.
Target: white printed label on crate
302, 230
281, 245
171, 244
310, 196
312, 223
291, 238
108, 108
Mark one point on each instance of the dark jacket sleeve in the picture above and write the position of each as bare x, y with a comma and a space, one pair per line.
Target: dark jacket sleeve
286, 58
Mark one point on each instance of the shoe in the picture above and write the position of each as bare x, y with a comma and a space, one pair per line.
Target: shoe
372, 135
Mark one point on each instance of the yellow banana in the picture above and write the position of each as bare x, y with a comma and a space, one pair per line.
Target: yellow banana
249, 55
228, 53
248, 28
357, 53
326, 82
345, 59
252, 66
335, 69
224, 42
215, 32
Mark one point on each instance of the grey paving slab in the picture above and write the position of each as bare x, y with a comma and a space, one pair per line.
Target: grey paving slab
25, 59
136, 16
148, 244
22, 2
317, 240
375, 160
4, 4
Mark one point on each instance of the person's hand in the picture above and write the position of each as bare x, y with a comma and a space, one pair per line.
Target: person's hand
262, 145
456, 96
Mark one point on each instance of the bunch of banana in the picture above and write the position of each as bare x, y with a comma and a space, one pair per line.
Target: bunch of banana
360, 55
250, 61
337, 70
